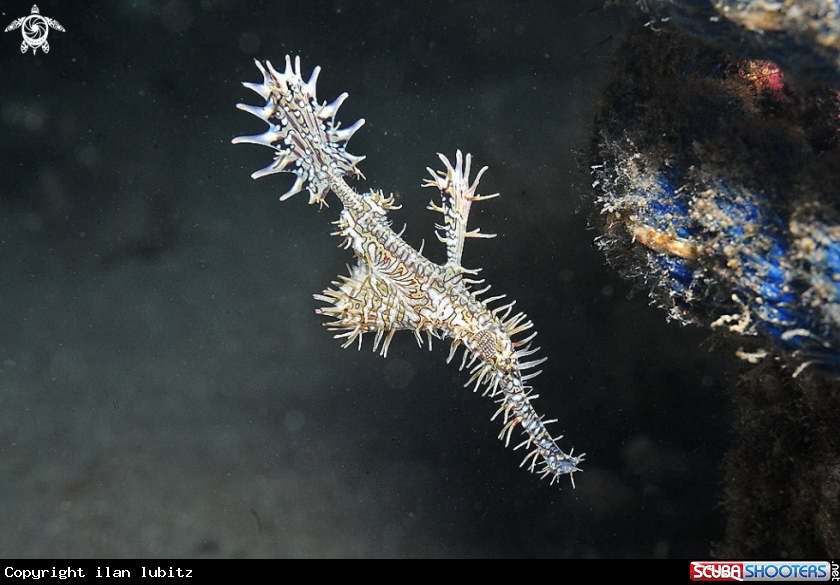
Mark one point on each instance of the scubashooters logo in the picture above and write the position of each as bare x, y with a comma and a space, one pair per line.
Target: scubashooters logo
35, 29
761, 571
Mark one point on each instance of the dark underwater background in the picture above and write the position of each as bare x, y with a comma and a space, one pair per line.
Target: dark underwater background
166, 388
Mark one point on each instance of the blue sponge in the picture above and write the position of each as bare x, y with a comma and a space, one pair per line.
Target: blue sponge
716, 180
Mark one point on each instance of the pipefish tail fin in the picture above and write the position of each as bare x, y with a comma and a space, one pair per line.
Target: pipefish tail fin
307, 140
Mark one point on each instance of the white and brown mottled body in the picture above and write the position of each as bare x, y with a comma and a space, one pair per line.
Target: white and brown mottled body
393, 286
